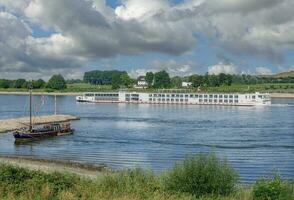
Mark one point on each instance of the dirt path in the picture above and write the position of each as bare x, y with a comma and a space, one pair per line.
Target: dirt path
89, 171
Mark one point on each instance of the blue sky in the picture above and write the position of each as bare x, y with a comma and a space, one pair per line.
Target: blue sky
39, 38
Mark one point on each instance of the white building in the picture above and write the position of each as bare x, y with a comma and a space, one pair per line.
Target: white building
141, 82
186, 84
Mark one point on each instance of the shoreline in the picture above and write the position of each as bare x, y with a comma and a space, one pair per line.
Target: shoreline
273, 95
44, 165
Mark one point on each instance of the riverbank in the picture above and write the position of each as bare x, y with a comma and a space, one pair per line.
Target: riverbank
273, 95
18, 123
49, 166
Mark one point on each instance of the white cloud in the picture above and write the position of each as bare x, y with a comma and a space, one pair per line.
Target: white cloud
87, 30
222, 68
263, 71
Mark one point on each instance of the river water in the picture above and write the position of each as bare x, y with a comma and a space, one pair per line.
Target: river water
257, 141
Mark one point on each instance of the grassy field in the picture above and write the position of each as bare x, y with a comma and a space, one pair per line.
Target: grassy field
201, 177
85, 87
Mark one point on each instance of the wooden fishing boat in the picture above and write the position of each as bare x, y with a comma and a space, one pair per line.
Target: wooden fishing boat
44, 130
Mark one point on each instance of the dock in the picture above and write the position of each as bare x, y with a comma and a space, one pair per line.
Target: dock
7, 125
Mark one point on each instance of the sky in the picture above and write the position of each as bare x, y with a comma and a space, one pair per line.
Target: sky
39, 38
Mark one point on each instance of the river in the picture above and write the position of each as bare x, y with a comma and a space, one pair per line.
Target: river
257, 141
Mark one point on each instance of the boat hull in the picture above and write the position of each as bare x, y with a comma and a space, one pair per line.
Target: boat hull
36, 136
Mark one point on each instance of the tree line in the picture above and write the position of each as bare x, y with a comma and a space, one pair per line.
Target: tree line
56, 82
121, 79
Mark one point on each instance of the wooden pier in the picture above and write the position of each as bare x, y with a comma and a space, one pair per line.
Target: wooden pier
7, 125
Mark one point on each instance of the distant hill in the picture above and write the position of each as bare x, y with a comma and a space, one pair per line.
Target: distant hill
285, 74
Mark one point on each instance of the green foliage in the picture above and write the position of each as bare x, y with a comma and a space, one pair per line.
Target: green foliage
162, 80
176, 82
40, 83
149, 77
20, 83
202, 175
273, 189
4, 83
56, 82
125, 80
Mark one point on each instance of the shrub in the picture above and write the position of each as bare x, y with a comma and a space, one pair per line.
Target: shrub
201, 175
273, 189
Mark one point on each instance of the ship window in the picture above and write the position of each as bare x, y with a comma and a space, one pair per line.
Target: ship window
186, 95
236, 96
231, 101
236, 101
163, 99
181, 100
196, 95
200, 96
181, 95
150, 99
225, 96
173, 95
158, 99
177, 99
191, 95
163, 95
210, 100
210, 96
150, 95
226, 101
259, 96
205, 96
220, 101
231, 96
167, 99
172, 100
200, 100
215, 100
205, 100
154, 99
186, 100
220, 96
215, 96
177, 95
155, 95
167, 95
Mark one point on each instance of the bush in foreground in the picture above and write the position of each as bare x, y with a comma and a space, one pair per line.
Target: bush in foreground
202, 175
273, 189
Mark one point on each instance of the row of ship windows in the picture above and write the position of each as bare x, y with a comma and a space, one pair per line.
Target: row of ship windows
101, 95
200, 100
195, 95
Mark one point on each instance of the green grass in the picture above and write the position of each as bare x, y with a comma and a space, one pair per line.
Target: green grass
86, 87
202, 177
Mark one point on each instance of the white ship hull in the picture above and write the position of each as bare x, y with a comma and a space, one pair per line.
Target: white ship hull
225, 99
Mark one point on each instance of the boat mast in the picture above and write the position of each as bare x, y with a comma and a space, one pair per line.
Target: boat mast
55, 106
31, 127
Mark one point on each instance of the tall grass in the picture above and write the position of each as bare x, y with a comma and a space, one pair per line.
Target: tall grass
202, 177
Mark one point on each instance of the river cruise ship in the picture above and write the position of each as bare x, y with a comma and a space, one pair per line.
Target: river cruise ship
164, 97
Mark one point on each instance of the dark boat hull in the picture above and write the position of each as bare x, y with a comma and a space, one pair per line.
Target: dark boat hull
40, 135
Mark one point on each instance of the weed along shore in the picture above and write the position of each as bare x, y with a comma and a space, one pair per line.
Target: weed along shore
202, 176
18, 123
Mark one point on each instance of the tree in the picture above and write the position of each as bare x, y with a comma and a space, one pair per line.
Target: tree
125, 79
196, 80
98, 77
176, 82
56, 82
149, 77
162, 80
5, 83
20, 83
40, 83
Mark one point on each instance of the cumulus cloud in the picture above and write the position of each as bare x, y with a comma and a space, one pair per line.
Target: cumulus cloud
263, 71
87, 30
222, 68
